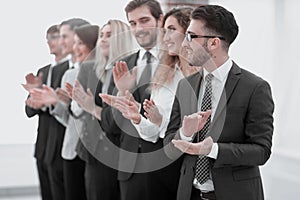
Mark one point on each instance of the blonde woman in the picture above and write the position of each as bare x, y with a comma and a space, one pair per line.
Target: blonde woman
95, 146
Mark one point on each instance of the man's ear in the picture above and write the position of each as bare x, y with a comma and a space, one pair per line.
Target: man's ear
160, 20
214, 43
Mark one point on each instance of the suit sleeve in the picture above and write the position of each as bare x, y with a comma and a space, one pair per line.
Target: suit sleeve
30, 112
258, 131
173, 128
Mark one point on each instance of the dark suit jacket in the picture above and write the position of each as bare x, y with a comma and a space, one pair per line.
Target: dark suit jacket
114, 123
242, 128
49, 129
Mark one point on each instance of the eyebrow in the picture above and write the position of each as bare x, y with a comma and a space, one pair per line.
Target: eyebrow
190, 32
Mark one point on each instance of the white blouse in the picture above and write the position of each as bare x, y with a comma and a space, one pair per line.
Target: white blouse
163, 98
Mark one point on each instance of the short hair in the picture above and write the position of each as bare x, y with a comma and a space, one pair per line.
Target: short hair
53, 29
181, 14
217, 20
74, 22
153, 5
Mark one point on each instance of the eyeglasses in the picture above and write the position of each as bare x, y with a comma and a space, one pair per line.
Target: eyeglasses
189, 37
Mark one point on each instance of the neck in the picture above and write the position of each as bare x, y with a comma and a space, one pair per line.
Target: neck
59, 57
215, 62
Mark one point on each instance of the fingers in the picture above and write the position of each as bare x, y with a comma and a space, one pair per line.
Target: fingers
187, 147
89, 92
134, 71
106, 98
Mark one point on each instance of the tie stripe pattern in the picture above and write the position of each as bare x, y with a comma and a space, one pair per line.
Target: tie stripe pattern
202, 164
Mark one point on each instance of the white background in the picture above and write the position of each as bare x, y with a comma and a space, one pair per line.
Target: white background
266, 45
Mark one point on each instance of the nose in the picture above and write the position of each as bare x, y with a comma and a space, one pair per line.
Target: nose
166, 37
185, 43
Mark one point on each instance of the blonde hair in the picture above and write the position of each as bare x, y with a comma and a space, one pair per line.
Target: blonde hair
121, 44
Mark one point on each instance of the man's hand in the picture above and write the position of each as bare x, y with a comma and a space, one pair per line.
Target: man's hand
194, 122
200, 148
45, 96
124, 80
33, 81
125, 104
33, 103
152, 112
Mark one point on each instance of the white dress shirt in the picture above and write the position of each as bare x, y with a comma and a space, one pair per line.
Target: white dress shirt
61, 112
218, 83
163, 98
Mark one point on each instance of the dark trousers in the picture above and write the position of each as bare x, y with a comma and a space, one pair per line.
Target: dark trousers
101, 182
44, 180
135, 188
163, 183
56, 176
74, 179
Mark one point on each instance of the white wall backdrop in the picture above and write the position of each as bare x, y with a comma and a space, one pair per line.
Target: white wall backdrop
267, 45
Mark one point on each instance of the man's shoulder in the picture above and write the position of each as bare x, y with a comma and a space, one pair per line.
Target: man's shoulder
247, 75
131, 57
45, 68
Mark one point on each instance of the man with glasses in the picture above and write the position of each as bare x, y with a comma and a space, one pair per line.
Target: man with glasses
221, 158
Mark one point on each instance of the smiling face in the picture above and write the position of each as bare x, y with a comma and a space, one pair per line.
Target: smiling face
80, 49
174, 35
197, 50
144, 26
104, 41
66, 39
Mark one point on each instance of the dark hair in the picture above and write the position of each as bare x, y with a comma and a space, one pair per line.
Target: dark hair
74, 22
182, 14
153, 6
53, 29
88, 34
218, 21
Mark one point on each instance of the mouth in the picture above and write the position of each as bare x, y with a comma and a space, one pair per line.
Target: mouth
141, 34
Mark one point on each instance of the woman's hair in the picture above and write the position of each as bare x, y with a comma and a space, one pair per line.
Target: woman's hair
122, 43
88, 34
164, 74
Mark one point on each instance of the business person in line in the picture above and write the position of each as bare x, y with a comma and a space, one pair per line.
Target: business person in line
145, 19
221, 159
151, 127
98, 149
49, 75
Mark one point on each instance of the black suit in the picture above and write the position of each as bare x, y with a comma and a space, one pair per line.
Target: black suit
94, 148
136, 175
242, 127
46, 123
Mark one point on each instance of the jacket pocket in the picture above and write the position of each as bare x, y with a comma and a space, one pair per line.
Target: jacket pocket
245, 173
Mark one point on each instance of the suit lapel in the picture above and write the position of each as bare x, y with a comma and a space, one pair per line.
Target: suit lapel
232, 80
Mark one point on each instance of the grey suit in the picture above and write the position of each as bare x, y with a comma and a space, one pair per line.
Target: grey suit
242, 127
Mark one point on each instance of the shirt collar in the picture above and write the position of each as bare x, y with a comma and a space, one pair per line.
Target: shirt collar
221, 72
154, 51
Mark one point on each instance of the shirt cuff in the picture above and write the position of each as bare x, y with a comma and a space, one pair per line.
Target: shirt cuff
214, 151
183, 137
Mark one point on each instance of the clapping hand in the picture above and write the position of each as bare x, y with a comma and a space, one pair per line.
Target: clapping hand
33, 81
124, 80
152, 112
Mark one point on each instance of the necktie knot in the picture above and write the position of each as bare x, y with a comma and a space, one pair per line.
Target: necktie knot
148, 56
209, 77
